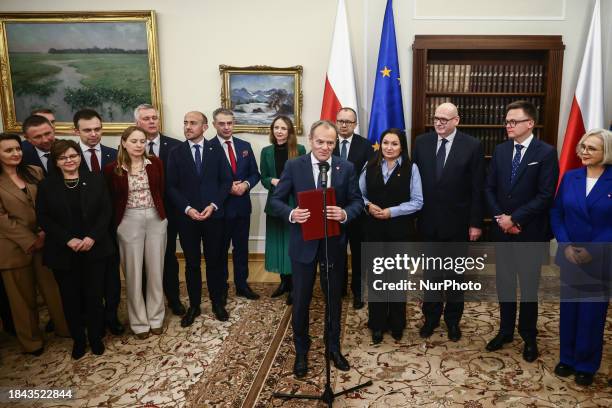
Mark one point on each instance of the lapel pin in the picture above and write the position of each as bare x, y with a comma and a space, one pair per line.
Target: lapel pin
609, 195
84, 183
337, 167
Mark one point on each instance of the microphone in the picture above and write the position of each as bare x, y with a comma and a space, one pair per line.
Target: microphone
323, 168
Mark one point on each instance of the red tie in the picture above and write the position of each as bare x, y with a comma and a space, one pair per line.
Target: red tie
232, 157
95, 164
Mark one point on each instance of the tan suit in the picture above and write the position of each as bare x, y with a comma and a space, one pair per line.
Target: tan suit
22, 272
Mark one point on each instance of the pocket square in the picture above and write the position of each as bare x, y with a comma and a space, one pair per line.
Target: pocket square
532, 163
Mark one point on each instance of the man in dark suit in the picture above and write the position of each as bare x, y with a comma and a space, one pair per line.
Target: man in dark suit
198, 182
301, 174
356, 149
39, 136
88, 127
519, 191
237, 207
451, 164
147, 117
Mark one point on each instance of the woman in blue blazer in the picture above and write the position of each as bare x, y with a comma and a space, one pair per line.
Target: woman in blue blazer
582, 214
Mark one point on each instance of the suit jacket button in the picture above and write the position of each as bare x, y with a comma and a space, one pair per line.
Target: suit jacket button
509, 195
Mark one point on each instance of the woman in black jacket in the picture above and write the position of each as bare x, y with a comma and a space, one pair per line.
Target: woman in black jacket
74, 209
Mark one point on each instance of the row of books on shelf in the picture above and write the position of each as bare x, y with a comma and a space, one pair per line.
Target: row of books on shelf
492, 137
478, 110
525, 78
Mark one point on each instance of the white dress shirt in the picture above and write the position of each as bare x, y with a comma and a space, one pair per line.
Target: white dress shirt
87, 154
450, 138
44, 160
525, 144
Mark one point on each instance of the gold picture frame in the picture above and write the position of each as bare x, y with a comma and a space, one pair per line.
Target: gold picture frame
259, 93
66, 61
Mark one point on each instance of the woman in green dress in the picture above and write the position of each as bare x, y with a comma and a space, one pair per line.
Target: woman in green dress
273, 158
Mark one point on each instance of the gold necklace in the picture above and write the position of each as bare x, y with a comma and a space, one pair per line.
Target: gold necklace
71, 183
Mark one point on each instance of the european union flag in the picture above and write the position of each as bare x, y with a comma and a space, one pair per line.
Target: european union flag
387, 109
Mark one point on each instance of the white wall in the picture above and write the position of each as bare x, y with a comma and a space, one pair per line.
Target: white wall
196, 36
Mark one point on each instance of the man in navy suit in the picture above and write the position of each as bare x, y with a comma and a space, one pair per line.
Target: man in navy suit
237, 207
451, 164
88, 127
356, 149
198, 182
301, 174
39, 136
147, 117
519, 191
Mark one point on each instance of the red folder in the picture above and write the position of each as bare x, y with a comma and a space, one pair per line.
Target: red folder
313, 228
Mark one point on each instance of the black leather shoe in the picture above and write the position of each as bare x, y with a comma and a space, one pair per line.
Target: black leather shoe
377, 336
397, 334
499, 341
115, 327
36, 353
247, 292
220, 312
289, 300
530, 351
50, 327
582, 378
357, 303
190, 316
78, 350
454, 332
282, 288
97, 348
177, 308
564, 370
339, 361
300, 366
428, 329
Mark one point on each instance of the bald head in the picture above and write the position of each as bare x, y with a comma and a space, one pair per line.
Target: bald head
446, 119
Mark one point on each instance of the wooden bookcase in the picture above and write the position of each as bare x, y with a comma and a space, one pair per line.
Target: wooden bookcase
481, 74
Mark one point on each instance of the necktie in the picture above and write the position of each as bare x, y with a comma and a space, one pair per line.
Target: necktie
46, 156
440, 157
319, 178
95, 164
198, 159
343, 153
516, 161
232, 157
151, 151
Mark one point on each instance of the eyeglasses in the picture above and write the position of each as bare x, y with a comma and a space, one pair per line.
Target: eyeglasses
71, 157
442, 121
589, 149
512, 123
345, 122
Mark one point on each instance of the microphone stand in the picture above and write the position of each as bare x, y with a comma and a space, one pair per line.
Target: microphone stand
328, 394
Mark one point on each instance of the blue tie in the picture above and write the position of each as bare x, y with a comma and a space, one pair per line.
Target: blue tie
516, 161
198, 159
440, 157
343, 153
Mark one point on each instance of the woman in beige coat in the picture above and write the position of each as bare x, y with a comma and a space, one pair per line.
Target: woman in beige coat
20, 244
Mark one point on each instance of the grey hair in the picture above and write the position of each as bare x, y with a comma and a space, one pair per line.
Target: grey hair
325, 123
142, 107
605, 136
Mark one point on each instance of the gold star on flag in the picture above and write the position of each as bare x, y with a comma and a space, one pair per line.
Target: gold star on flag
376, 146
386, 72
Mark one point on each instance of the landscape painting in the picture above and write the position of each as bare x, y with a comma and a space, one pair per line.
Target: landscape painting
66, 66
258, 94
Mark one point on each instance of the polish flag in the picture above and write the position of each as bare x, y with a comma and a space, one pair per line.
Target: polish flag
587, 106
340, 80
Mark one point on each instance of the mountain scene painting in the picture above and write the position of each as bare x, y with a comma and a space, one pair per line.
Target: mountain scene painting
257, 99
69, 66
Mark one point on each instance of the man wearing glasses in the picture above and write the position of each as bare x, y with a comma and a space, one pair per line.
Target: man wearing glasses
88, 127
519, 191
451, 164
356, 149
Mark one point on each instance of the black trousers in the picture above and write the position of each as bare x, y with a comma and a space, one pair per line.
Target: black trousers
523, 262
5, 310
355, 236
385, 316
83, 286
236, 232
303, 275
434, 300
209, 234
111, 285
171, 266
